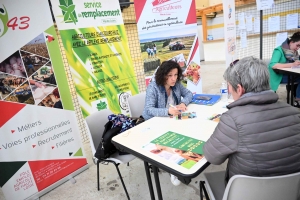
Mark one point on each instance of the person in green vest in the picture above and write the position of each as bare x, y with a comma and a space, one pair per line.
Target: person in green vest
285, 56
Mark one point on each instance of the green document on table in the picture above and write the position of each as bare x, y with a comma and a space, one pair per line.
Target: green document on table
176, 148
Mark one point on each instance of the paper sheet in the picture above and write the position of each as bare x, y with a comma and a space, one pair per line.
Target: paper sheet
280, 38
256, 24
249, 23
274, 24
292, 21
241, 18
264, 4
243, 35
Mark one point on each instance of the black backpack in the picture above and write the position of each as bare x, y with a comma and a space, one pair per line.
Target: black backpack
106, 148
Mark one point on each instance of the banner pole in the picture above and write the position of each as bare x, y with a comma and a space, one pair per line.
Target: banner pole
261, 36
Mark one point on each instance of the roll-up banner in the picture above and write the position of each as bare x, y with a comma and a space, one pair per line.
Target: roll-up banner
95, 41
229, 31
39, 137
168, 30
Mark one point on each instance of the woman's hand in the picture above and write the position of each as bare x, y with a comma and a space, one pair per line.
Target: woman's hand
181, 107
296, 63
174, 111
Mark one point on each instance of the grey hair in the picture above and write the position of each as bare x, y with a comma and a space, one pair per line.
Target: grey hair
251, 73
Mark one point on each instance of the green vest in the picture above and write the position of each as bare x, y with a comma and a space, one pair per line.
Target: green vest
277, 57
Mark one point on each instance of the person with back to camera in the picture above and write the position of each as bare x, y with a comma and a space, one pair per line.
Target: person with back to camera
259, 135
166, 89
285, 56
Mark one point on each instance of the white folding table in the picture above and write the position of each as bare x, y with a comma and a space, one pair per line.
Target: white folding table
201, 128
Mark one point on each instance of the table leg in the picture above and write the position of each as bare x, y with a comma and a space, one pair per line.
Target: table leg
158, 189
149, 181
292, 91
288, 92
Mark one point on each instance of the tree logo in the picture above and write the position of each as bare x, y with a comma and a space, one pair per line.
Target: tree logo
101, 105
4, 20
68, 10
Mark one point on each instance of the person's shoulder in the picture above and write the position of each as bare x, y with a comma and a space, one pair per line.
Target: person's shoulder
153, 85
279, 48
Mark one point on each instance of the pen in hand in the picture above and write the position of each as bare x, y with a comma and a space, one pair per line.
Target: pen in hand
172, 106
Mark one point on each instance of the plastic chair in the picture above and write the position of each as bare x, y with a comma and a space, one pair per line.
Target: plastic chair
250, 188
136, 104
95, 123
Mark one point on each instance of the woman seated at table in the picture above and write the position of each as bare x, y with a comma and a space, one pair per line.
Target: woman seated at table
258, 134
166, 90
285, 56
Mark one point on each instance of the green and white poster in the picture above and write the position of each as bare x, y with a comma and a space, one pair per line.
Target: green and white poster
95, 41
176, 148
40, 146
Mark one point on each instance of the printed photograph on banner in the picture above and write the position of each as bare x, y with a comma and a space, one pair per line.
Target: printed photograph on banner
40, 90
13, 65
180, 60
192, 73
9, 84
52, 100
35, 54
21, 94
149, 79
231, 45
165, 45
44, 74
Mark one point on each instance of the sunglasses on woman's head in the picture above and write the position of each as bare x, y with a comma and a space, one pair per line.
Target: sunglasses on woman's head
234, 62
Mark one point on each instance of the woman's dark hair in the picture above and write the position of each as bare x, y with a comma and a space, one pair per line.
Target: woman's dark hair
56, 93
164, 69
295, 37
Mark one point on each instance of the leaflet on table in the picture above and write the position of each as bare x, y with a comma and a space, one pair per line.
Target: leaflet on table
215, 117
199, 99
176, 148
185, 115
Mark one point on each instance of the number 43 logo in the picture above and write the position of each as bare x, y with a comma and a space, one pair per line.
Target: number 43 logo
22, 22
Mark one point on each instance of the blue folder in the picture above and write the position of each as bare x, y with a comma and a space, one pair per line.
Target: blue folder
214, 99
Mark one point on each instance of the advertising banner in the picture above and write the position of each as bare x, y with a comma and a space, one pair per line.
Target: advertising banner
229, 31
96, 46
39, 141
168, 30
